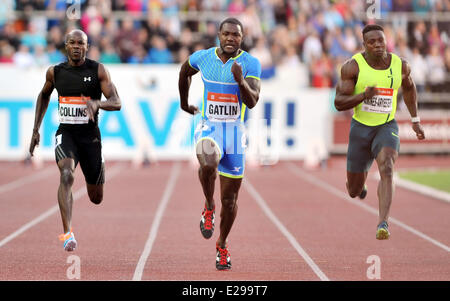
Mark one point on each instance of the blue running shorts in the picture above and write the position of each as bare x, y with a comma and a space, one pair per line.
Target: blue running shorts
231, 141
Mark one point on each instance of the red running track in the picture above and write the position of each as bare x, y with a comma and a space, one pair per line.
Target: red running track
292, 224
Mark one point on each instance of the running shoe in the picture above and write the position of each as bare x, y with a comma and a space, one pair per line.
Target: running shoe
223, 259
69, 241
207, 222
363, 193
383, 231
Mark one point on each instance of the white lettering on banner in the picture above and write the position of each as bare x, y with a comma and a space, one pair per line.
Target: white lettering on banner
379, 103
73, 110
222, 106
151, 122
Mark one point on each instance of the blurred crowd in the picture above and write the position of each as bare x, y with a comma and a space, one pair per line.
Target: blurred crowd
318, 35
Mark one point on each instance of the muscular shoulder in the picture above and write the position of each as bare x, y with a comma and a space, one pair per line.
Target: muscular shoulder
406, 68
349, 69
101, 69
50, 74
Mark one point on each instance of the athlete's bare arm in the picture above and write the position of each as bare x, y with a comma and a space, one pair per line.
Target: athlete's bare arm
41, 107
184, 82
249, 87
410, 97
344, 98
109, 90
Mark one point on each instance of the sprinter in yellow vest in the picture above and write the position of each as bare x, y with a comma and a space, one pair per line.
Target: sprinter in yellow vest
369, 84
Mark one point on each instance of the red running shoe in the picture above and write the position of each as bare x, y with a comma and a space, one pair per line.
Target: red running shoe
207, 222
223, 258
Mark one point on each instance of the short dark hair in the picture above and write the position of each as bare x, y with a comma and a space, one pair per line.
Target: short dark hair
232, 21
370, 27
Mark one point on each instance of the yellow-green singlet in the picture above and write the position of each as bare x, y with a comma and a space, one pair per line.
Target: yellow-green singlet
381, 108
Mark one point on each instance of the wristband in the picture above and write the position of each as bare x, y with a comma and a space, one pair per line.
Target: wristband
415, 119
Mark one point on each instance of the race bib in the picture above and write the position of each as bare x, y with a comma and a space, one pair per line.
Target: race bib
73, 110
222, 106
379, 103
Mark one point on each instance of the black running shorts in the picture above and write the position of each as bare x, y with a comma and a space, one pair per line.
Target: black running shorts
85, 147
365, 142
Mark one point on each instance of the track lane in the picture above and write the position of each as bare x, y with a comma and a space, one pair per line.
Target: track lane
258, 250
110, 236
340, 236
336, 234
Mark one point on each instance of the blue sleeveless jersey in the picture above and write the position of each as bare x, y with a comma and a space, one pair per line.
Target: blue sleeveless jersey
221, 98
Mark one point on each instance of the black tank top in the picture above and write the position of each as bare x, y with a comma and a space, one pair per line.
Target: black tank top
75, 81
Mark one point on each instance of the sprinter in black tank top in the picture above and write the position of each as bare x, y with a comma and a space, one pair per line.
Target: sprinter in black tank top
80, 83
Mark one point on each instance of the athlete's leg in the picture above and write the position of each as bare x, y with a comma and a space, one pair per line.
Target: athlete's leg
359, 157
355, 183
65, 199
385, 160
208, 156
92, 165
229, 190
95, 193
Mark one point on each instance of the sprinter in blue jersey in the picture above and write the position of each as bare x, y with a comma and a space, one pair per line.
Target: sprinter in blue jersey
231, 80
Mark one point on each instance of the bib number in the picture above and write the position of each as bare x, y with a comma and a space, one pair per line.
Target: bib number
73, 110
380, 103
222, 106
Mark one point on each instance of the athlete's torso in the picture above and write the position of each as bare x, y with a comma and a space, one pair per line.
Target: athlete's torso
76, 85
382, 107
221, 98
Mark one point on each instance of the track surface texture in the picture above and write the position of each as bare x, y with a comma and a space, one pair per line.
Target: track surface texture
293, 223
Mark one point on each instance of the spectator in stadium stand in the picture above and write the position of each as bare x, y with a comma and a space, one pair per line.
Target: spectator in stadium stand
419, 69
41, 57
262, 53
419, 37
321, 70
109, 55
402, 6
33, 37
6, 52
349, 41
436, 75
9, 34
140, 56
159, 53
236, 7
421, 7
291, 58
126, 39
56, 37
434, 38
447, 68
23, 58
54, 54
312, 46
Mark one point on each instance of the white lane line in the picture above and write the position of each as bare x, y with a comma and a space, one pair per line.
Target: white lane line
284, 231
422, 189
76, 195
416, 187
28, 179
322, 184
156, 221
